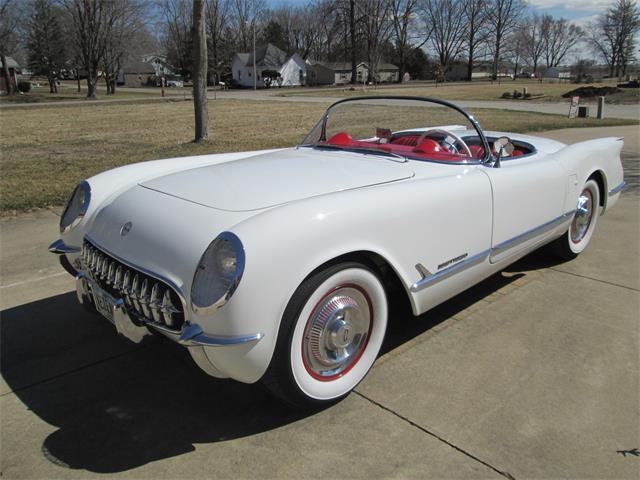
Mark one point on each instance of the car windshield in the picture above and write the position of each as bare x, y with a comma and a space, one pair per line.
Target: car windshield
400, 127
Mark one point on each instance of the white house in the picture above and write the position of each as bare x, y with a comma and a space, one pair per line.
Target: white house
292, 68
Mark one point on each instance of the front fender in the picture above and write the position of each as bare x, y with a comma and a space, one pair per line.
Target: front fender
404, 222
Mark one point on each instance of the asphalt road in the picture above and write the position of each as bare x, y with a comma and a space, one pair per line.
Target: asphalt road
532, 373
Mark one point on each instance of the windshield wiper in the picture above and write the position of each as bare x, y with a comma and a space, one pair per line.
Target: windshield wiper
364, 150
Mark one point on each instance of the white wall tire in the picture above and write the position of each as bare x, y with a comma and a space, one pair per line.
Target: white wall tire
330, 336
583, 223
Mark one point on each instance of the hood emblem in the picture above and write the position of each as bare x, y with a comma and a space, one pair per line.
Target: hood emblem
126, 228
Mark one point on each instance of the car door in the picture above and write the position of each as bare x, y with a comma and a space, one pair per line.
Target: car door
528, 200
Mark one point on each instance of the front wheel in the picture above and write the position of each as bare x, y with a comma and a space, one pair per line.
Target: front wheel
576, 239
330, 335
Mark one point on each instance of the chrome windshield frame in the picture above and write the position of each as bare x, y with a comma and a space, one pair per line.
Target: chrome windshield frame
486, 159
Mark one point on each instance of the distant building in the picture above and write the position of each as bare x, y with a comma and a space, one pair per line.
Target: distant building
387, 72
14, 70
292, 68
146, 70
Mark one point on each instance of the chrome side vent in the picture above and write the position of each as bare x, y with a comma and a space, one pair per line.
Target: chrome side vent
144, 296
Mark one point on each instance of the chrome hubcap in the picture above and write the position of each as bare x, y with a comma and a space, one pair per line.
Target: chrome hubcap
582, 218
337, 332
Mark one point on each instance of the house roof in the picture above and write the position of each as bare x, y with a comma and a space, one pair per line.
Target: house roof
137, 66
266, 56
11, 63
387, 66
346, 66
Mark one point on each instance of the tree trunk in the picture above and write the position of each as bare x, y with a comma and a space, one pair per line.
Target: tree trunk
7, 75
78, 79
52, 84
352, 28
470, 65
92, 84
200, 73
401, 67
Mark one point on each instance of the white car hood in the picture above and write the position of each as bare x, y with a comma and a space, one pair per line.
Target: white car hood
276, 178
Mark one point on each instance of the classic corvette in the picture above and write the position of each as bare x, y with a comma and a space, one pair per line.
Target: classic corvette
276, 265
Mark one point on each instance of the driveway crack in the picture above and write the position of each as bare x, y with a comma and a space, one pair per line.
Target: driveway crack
436, 436
594, 279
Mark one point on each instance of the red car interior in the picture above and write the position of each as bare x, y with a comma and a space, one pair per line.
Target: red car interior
406, 145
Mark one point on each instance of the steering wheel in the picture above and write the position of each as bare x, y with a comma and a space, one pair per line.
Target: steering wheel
454, 147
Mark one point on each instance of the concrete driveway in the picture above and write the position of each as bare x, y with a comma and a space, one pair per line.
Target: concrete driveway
533, 373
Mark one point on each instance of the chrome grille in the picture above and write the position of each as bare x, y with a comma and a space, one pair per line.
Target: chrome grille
147, 298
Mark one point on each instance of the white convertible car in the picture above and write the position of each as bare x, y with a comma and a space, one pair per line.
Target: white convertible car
276, 265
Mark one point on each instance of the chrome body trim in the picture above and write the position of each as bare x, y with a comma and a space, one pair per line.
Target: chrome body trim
240, 259
192, 335
528, 235
60, 248
149, 273
469, 262
617, 189
85, 187
452, 270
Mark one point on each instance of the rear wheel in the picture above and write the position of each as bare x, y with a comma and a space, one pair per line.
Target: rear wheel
576, 239
330, 335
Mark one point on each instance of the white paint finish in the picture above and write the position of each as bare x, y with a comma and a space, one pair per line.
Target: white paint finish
439, 213
276, 178
527, 193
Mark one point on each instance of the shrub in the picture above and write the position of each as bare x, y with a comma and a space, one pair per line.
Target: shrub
24, 86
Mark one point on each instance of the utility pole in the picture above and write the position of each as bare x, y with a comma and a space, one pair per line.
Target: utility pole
200, 73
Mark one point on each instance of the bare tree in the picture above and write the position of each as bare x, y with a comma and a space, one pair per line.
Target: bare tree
199, 35
448, 35
515, 48
504, 16
376, 29
45, 41
613, 34
93, 25
476, 17
177, 18
217, 18
127, 20
559, 37
246, 15
402, 15
352, 39
534, 31
8, 26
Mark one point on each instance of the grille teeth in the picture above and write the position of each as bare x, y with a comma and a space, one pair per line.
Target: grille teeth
144, 296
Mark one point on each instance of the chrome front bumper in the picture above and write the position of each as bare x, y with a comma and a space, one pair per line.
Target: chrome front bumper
190, 334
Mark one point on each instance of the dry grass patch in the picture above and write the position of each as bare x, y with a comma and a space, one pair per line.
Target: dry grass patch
472, 91
45, 151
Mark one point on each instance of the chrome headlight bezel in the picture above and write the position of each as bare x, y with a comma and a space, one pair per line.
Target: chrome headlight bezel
208, 258
82, 194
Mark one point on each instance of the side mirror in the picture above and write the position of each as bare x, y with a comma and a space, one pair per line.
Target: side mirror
503, 148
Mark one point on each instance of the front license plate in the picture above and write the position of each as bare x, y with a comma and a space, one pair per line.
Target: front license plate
103, 301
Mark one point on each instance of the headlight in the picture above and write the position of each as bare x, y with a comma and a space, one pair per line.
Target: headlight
218, 274
76, 207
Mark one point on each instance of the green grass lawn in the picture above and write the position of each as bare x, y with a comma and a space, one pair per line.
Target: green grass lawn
45, 151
